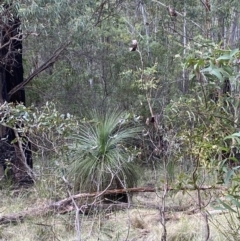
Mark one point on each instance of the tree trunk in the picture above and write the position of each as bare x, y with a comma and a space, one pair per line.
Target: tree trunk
11, 75
232, 40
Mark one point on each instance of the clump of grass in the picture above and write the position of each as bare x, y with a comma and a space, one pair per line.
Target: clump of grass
137, 222
186, 229
226, 226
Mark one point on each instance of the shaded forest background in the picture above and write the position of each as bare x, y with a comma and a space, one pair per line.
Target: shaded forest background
175, 99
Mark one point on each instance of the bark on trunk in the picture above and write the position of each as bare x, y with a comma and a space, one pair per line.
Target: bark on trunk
234, 24
11, 75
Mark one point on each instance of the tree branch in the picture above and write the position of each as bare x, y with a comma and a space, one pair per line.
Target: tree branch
182, 15
44, 66
63, 205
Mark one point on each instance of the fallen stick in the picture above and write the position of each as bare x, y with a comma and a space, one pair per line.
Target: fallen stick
62, 205
137, 189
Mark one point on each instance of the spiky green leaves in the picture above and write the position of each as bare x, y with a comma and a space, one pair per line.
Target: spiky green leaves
102, 156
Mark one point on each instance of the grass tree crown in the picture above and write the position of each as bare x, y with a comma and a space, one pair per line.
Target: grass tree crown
103, 153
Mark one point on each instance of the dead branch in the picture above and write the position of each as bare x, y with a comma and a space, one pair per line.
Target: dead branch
138, 189
23, 157
65, 205
44, 66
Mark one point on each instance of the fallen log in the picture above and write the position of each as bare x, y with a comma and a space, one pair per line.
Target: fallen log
132, 190
64, 205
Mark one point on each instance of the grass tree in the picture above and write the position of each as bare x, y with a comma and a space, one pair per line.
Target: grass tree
103, 153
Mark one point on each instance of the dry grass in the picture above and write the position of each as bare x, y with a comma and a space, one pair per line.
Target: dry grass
140, 223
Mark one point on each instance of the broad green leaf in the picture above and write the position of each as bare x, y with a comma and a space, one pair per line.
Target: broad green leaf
229, 174
234, 201
237, 134
191, 75
217, 73
233, 52
208, 69
213, 70
227, 68
226, 206
223, 72
224, 57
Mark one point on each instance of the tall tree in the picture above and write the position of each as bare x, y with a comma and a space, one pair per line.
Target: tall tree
11, 75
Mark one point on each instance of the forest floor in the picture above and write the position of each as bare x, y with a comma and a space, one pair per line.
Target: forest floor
142, 221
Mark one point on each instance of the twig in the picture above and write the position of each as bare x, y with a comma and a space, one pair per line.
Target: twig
163, 211
23, 157
77, 210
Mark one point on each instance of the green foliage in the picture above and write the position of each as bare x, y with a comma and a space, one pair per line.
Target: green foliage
102, 154
207, 114
142, 84
230, 205
97, 71
204, 129
44, 127
209, 61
